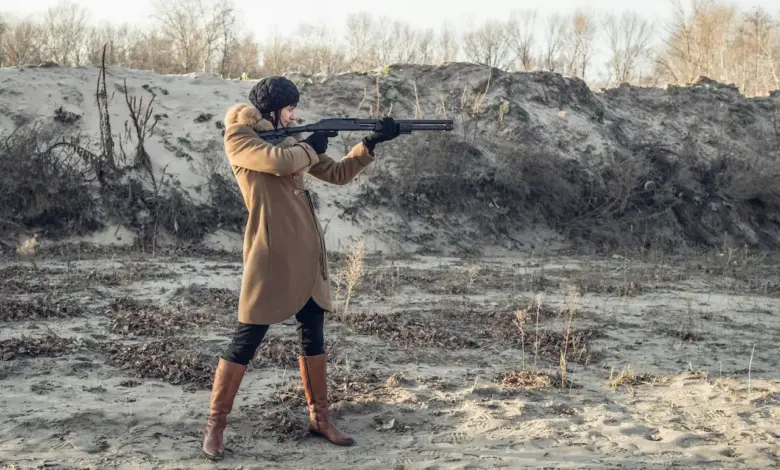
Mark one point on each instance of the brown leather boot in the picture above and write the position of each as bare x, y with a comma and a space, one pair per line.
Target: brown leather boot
227, 379
315, 383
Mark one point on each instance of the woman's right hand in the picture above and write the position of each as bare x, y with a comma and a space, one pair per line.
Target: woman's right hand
319, 140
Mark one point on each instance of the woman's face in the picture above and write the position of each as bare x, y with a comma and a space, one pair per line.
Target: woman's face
287, 116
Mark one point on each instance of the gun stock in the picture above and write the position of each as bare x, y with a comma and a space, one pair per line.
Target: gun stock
335, 125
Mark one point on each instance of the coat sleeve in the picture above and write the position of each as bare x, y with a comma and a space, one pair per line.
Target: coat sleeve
342, 171
245, 150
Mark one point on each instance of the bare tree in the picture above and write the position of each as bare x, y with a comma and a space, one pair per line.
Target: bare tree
248, 56
277, 56
23, 43
3, 32
760, 46
698, 44
194, 29
118, 40
555, 34
227, 44
153, 50
360, 41
488, 45
579, 36
447, 45
520, 31
426, 42
65, 33
315, 50
628, 38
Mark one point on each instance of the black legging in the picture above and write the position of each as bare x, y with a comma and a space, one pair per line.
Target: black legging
310, 321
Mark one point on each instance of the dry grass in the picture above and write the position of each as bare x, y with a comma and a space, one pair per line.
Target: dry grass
130, 317
23, 347
353, 273
37, 308
627, 379
526, 379
572, 309
200, 295
474, 328
277, 352
176, 361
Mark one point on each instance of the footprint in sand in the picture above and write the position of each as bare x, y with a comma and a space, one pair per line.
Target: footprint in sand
454, 438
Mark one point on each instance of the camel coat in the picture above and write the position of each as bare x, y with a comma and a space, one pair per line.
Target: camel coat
285, 260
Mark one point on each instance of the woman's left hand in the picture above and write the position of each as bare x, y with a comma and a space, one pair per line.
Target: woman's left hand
390, 130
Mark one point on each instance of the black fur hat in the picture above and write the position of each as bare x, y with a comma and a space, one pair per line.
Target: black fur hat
273, 93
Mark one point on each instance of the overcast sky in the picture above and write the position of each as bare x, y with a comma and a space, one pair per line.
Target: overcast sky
256, 14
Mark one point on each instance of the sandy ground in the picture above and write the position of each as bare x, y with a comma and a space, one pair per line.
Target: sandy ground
107, 358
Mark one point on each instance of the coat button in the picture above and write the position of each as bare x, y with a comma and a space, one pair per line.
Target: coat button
295, 177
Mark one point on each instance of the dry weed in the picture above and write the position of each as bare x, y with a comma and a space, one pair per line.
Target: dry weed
572, 309
627, 379
353, 274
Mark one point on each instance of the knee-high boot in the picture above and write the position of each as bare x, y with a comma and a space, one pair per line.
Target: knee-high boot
315, 384
227, 380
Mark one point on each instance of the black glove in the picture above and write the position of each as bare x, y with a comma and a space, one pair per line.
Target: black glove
319, 140
390, 130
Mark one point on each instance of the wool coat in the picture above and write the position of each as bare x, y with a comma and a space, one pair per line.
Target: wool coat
285, 259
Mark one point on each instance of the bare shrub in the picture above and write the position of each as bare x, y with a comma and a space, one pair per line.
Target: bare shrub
45, 183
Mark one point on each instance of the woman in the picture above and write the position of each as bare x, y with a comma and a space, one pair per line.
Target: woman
285, 263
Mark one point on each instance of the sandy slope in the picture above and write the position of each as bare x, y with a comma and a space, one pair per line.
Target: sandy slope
419, 390
187, 134
544, 115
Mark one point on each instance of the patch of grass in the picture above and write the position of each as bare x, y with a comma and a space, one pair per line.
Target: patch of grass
627, 379
473, 329
133, 318
278, 352
344, 385
406, 330
174, 361
37, 308
526, 379
284, 425
30, 347
682, 333
600, 285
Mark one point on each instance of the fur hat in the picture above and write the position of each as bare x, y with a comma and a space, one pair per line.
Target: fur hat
273, 93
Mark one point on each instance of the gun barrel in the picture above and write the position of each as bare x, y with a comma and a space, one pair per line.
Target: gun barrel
407, 126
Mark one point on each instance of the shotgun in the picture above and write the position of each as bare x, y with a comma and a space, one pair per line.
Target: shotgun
335, 125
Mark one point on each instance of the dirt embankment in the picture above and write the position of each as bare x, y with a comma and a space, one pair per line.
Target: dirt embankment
537, 160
